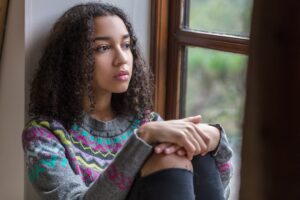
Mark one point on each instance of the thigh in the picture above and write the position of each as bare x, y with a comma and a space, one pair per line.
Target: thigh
207, 180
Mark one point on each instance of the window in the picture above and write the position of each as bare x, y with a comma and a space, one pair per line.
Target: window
199, 59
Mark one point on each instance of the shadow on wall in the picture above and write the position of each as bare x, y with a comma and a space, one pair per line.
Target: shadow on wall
33, 54
3, 15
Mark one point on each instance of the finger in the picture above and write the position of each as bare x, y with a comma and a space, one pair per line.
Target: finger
161, 147
181, 152
195, 119
203, 147
203, 134
195, 138
190, 155
190, 147
205, 140
184, 141
171, 149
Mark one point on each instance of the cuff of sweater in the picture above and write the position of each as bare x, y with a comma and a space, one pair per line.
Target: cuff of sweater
135, 148
223, 152
222, 141
135, 134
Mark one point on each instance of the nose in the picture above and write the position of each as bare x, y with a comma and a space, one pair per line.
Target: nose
121, 57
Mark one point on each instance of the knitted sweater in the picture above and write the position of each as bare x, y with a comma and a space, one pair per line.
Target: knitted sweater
93, 160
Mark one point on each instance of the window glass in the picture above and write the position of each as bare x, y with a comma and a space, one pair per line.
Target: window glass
215, 88
220, 16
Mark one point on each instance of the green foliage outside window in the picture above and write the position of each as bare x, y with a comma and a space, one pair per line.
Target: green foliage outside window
221, 16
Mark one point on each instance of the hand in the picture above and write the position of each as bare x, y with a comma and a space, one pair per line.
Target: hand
210, 131
213, 134
183, 132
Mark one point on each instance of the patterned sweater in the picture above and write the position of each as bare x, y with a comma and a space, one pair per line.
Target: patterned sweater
93, 160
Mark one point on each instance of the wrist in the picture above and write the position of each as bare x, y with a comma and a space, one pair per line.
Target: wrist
143, 133
220, 130
217, 135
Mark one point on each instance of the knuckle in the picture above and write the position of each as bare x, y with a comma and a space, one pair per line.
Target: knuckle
198, 151
205, 148
190, 127
193, 149
180, 136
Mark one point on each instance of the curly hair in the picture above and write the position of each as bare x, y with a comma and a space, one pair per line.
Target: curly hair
66, 68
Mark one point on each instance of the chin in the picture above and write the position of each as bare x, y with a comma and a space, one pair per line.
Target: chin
120, 89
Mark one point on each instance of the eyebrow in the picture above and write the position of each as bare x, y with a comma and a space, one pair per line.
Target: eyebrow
109, 38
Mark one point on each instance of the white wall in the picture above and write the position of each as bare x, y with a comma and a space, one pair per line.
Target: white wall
41, 14
12, 70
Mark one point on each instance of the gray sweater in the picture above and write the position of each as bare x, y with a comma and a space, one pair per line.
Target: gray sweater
93, 160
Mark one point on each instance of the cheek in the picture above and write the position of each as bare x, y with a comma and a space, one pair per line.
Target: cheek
102, 78
101, 66
101, 74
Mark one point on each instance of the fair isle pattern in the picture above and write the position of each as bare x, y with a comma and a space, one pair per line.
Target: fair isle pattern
63, 163
119, 179
225, 167
38, 160
87, 154
105, 148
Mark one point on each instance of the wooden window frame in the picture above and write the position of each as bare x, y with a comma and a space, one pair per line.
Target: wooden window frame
170, 39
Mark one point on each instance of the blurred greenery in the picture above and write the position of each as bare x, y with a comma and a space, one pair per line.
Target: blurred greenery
216, 79
221, 16
215, 87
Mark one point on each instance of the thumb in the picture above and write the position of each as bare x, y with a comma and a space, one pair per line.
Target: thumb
195, 119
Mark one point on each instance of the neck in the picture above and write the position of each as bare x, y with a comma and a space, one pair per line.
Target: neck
103, 110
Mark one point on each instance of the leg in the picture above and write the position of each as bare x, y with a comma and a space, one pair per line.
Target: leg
164, 177
207, 180
158, 162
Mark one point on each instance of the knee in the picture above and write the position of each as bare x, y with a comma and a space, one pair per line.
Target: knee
158, 162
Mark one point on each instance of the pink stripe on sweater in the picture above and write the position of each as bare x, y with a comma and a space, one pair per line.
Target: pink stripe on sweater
224, 167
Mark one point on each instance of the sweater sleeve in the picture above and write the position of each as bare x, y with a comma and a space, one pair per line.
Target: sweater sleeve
52, 176
223, 156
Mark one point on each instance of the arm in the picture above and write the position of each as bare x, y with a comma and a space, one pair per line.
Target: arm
54, 178
182, 132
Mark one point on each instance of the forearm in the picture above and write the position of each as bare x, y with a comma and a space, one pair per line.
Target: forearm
116, 180
53, 177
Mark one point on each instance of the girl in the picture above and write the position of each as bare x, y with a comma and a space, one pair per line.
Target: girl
93, 134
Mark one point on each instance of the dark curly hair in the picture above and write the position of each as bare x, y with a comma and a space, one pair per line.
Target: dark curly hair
66, 68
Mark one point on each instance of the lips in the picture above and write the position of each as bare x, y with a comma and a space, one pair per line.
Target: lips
122, 76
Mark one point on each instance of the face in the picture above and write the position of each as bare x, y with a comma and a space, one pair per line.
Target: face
113, 57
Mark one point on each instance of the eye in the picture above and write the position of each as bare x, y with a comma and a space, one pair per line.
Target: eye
102, 48
126, 45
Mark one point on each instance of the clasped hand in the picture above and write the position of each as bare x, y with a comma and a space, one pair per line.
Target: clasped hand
185, 137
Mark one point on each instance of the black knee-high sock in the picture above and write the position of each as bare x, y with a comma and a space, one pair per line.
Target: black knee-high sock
207, 180
167, 184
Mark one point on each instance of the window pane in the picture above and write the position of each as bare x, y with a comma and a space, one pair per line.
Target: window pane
220, 16
215, 89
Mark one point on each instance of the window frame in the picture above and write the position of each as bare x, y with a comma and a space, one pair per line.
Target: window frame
170, 41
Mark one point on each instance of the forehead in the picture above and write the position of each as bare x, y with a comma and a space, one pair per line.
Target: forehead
109, 26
